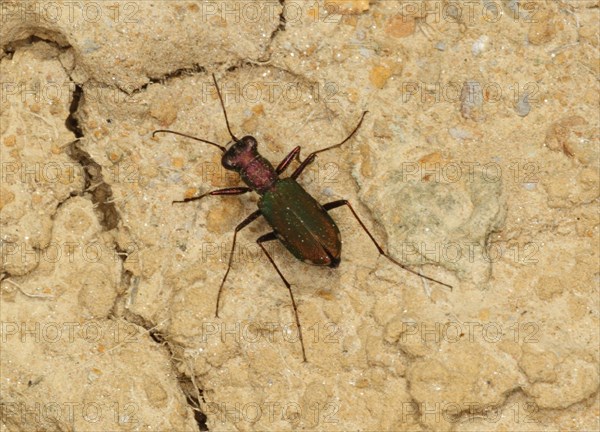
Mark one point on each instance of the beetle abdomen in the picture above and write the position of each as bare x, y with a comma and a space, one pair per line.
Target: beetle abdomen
301, 223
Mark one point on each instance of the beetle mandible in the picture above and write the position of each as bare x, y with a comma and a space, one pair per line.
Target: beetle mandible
299, 222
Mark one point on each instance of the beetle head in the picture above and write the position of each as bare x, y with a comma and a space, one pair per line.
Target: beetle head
240, 154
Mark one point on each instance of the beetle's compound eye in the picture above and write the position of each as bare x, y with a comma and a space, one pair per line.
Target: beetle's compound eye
230, 159
249, 142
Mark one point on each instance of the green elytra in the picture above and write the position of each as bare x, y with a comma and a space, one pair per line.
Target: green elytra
299, 222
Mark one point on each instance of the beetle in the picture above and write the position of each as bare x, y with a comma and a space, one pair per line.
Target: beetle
299, 222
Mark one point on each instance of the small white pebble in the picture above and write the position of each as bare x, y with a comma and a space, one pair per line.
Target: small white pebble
480, 45
459, 133
523, 107
328, 192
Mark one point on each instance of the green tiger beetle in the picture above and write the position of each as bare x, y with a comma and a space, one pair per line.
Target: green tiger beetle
298, 220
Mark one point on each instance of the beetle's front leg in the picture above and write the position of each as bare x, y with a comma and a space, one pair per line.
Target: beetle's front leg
226, 191
288, 159
311, 157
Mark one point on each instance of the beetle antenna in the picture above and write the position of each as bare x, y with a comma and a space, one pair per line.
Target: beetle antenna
347, 138
223, 149
223, 106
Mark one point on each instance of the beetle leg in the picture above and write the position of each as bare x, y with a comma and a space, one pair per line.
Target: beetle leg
306, 162
270, 237
288, 159
226, 191
311, 157
241, 225
336, 204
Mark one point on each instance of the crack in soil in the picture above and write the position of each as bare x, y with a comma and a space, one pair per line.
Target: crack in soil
94, 183
187, 71
196, 68
72, 123
192, 393
101, 192
101, 195
282, 21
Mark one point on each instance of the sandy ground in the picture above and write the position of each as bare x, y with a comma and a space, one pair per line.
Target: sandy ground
477, 165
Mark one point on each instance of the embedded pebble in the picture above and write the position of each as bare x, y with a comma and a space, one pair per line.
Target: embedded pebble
379, 76
523, 107
459, 133
401, 26
440, 46
347, 7
471, 101
480, 45
543, 28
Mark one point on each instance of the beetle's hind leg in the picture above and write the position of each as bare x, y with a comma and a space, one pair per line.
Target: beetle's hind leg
339, 203
270, 237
